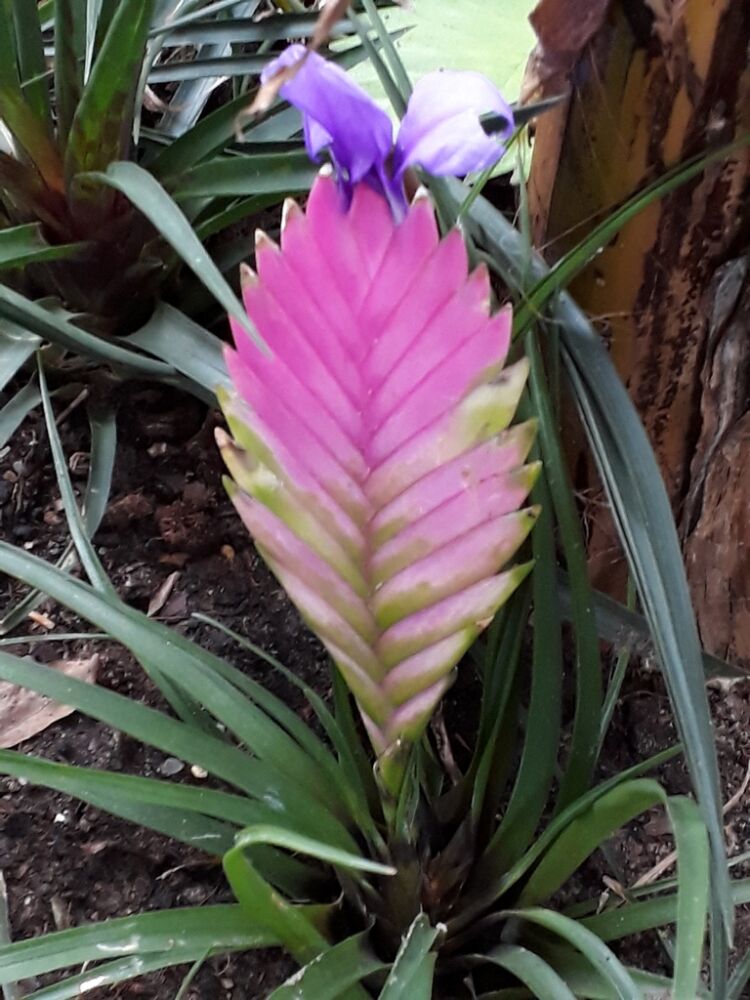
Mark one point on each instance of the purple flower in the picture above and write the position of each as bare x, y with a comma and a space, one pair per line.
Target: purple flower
441, 130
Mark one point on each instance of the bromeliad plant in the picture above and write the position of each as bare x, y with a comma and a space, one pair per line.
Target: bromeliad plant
105, 207
374, 464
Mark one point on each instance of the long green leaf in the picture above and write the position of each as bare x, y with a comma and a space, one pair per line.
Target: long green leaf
537, 766
16, 347
101, 126
254, 174
265, 908
532, 970
598, 954
604, 817
150, 198
332, 975
632, 478
36, 319
31, 61
17, 409
277, 27
175, 339
68, 64
413, 962
24, 245
295, 779
214, 927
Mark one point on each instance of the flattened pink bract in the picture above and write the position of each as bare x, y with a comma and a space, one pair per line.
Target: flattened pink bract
373, 461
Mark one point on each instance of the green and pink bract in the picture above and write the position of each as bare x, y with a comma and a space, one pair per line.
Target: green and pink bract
373, 460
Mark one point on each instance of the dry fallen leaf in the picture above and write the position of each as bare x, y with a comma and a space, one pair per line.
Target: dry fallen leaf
25, 713
161, 596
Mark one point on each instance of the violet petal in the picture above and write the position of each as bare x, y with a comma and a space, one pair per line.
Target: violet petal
441, 130
337, 114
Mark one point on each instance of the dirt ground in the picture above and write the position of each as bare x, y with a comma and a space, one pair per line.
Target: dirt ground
66, 863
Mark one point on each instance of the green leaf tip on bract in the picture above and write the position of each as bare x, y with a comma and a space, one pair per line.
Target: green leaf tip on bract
372, 455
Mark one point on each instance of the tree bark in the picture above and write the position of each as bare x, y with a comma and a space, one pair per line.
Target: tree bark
658, 81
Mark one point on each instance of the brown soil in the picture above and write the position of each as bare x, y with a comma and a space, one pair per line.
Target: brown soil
67, 863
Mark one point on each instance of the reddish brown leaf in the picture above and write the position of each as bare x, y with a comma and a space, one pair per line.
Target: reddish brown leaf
564, 28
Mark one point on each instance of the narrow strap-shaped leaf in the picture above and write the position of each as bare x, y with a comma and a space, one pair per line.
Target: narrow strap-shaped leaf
254, 174
16, 347
579, 767
31, 61
36, 319
297, 780
334, 974
597, 953
68, 63
636, 490
605, 816
181, 343
23, 245
200, 927
150, 198
542, 734
16, 410
265, 908
413, 962
100, 128
533, 971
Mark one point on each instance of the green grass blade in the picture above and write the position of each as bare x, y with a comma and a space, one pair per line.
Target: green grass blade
254, 174
199, 30
533, 971
150, 198
200, 927
335, 974
740, 978
413, 961
100, 130
598, 954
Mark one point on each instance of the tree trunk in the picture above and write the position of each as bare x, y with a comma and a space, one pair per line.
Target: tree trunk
657, 81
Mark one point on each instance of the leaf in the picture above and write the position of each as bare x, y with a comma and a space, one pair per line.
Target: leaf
17, 409
175, 339
633, 481
100, 130
16, 347
296, 782
532, 970
589, 945
31, 61
23, 245
23, 713
331, 974
95, 498
199, 927
36, 319
403, 457
274, 28
150, 198
414, 959
252, 174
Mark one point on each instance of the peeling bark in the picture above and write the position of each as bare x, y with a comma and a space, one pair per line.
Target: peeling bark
661, 80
